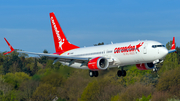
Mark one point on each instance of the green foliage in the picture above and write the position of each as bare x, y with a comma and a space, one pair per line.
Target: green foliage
36, 77
169, 79
61, 99
27, 88
135, 91
50, 64
178, 54
173, 99
1, 59
99, 44
168, 45
115, 98
1, 69
144, 98
135, 75
160, 96
12, 63
54, 79
16, 79
11, 96
1, 92
35, 67
170, 62
91, 92
45, 92
43, 59
100, 90
75, 83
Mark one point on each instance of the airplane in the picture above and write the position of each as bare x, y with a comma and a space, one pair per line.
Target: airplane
145, 54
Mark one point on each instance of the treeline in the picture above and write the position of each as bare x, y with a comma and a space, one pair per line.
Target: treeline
24, 78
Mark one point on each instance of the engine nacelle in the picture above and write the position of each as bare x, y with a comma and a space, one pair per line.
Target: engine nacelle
145, 66
98, 63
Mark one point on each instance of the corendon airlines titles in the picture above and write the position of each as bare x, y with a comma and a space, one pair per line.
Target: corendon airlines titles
128, 48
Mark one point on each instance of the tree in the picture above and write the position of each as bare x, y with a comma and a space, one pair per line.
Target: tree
1, 58
43, 59
27, 88
100, 90
133, 92
45, 92
169, 79
178, 54
12, 63
54, 79
16, 79
170, 61
35, 67
99, 44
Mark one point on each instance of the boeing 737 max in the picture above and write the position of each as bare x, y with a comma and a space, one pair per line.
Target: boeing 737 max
145, 54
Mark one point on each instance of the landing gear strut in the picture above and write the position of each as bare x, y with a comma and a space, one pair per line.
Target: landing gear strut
121, 72
93, 73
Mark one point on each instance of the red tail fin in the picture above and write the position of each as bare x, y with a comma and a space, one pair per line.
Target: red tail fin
12, 49
60, 41
173, 44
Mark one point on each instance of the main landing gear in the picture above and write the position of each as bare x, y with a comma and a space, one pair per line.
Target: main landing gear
93, 73
121, 72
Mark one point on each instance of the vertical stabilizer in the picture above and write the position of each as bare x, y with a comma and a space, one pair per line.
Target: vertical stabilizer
61, 43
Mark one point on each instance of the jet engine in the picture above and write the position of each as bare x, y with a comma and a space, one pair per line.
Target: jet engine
145, 66
98, 63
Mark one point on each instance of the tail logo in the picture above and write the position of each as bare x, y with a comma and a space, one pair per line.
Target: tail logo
60, 41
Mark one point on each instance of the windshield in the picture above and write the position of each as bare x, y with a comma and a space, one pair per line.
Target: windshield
154, 46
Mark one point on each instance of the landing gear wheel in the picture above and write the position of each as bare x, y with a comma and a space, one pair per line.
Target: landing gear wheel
123, 73
119, 73
96, 73
91, 74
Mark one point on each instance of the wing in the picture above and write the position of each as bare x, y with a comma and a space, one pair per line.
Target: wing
55, 57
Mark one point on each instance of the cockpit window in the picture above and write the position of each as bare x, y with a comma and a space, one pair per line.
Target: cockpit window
154, 46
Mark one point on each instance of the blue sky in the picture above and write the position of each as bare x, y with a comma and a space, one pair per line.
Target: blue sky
26, 24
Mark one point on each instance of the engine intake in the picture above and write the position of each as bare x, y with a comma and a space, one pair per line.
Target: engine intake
145, 66
98, 63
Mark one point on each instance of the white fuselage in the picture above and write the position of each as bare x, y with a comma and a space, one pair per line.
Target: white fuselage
121, 54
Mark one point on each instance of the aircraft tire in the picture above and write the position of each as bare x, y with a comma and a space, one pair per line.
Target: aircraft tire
96, 73
91, 73
119, 73
123, 73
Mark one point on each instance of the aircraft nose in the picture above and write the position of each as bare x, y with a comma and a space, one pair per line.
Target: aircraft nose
163, 52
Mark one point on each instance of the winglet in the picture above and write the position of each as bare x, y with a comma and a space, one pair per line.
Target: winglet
12, 49
173, 44
173, 47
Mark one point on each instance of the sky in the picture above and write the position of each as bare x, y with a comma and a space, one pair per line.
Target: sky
26, 24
